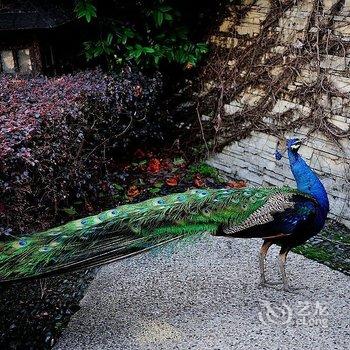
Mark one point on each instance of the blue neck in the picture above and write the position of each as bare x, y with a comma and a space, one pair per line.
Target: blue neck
307, 181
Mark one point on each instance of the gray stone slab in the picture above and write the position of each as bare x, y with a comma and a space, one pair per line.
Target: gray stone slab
205, 295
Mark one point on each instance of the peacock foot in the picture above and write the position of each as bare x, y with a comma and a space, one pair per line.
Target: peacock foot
266, 284
274, 283
289, 289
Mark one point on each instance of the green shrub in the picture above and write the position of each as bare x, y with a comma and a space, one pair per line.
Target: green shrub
147, 33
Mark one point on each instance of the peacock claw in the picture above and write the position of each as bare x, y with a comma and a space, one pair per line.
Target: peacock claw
266, 284
289, 289
274, 283
285, 288
262, 285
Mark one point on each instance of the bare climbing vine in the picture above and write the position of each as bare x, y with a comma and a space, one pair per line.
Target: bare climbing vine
250, 65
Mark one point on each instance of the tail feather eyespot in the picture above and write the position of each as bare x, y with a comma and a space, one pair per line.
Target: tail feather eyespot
181, 198
202, 193
206, 212
54, 234
21, 243
45, 249
160, 201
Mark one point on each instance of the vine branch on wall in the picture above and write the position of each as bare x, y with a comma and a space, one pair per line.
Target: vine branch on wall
249, 66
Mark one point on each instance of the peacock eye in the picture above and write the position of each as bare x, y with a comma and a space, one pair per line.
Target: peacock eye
45, 249
181, 198
206, 211
54, 233
22, 242
201, 193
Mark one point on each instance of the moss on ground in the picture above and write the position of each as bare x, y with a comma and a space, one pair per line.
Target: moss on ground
314, 253
205, 170
331, 247
338, 237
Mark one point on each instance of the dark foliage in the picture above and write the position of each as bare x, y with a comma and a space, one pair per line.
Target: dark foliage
59, 137
33, 314
151, 33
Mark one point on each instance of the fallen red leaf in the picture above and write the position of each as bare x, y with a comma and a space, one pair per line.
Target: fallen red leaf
198, 181
88, 207
172, 181
237, 184
154, 165
133, 191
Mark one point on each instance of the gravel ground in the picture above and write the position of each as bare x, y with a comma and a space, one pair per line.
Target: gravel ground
205, 295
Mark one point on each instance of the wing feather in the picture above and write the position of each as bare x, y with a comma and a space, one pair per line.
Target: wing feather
282, 215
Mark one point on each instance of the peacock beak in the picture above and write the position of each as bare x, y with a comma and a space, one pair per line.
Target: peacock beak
279, 151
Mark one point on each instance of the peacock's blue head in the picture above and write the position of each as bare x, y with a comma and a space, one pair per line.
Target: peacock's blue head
293, 144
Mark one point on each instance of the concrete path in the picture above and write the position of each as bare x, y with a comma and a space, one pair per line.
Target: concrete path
205, 295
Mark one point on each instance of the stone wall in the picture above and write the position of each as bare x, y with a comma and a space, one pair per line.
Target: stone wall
252, 158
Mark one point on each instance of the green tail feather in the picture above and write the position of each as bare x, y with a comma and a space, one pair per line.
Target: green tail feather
128, 230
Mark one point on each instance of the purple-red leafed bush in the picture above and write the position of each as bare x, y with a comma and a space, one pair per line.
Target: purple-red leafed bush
58, 137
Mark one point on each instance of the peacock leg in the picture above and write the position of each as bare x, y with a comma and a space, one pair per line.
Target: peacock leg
262, 256
282, 257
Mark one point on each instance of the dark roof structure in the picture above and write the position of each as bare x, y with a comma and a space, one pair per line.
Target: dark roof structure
34, 14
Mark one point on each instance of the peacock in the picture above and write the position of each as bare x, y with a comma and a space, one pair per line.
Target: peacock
278, 215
